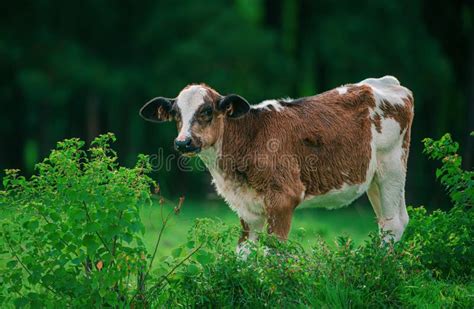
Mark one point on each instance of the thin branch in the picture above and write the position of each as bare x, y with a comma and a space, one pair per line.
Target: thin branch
155, 250
87, 266
97, 233
115, 237
164, 221
165, 277
163, 226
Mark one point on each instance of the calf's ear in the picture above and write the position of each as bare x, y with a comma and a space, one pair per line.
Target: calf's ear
157, 110
234, 106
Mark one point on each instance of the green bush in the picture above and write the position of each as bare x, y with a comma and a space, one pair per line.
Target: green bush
430, 267
444, 241
285, 276
72, 234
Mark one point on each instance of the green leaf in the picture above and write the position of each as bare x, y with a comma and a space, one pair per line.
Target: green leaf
176, 252
31, 225
50, 227
192, 269
12, 264
91, 244
190, 244
92, 227
54, 216
128, 237
21, 302
204, 257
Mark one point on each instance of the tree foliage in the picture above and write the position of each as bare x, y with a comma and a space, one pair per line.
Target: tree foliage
80, 69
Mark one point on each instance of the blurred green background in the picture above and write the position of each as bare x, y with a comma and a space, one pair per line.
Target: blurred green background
80, 68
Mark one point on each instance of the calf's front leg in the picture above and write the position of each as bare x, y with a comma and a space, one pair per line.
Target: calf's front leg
279, 209
244, 234
250, 229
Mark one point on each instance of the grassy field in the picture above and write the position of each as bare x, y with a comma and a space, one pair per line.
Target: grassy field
355, 221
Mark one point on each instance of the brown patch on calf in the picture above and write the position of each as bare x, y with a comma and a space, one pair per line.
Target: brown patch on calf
212, 96
403, 114
377, 121
322, 142
400, 113
406, 146
310, 147
409, 109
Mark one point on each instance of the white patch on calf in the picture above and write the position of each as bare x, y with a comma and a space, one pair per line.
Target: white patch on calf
342, 90
266, 105
242, 199
387, 88
389, 136
335, 198
188, 101
391, 175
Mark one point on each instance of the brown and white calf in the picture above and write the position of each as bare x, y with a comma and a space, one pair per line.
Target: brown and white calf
266, 159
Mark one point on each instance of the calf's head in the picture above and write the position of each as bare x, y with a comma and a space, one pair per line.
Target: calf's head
199, 112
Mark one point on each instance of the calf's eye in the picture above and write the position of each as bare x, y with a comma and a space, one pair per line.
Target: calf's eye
207, 112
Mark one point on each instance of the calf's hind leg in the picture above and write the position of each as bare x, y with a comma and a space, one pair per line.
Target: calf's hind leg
387, 195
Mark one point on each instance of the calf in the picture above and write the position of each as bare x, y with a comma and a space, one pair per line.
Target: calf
266, 159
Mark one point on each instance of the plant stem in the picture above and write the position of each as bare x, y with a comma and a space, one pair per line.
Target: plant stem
163, 226
165, 277
97, 233
115, 237
155, 250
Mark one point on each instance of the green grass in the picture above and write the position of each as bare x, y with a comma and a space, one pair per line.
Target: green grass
355, 221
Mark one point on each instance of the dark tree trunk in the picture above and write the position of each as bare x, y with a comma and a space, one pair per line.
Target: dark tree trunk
469, 149
92, 118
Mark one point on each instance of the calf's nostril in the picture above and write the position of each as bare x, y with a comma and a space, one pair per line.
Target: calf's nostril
183, 144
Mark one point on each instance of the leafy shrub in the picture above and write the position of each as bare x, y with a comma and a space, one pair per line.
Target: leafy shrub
74, 231
417, 272
72, 234
444, 241
458, 183
286, 276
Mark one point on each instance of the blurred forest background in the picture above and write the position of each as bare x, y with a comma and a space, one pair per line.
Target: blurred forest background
80, 68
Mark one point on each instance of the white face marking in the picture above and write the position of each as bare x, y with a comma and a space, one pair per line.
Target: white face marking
342, 90
188, 101
266, 105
